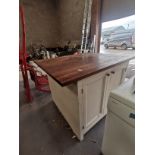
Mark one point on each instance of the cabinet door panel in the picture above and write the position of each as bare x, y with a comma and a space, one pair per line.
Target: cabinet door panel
111, 83
106, 91
92, 100
115, 79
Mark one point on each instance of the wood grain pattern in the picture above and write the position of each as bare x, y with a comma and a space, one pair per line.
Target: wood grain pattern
69, 69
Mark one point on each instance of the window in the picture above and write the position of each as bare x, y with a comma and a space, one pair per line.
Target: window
118, 35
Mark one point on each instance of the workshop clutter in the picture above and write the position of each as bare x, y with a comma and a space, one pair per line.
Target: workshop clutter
65, 48
39, 77
37, 52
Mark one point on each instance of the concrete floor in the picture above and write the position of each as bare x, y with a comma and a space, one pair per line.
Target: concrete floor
43, 130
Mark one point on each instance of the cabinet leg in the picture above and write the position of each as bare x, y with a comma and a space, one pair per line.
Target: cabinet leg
80, 137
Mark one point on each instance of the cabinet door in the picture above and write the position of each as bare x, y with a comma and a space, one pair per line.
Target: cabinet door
96, 90
93, 96
106, 91
116, 78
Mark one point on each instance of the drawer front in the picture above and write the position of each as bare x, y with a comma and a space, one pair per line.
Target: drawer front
122, 111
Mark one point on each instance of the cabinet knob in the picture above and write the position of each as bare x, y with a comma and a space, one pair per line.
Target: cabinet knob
112, 72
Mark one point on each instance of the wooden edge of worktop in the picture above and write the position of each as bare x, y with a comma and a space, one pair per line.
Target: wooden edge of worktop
84, 76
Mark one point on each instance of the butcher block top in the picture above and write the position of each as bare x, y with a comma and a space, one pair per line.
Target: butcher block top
68, 69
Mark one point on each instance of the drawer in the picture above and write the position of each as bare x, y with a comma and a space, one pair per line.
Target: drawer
122, 111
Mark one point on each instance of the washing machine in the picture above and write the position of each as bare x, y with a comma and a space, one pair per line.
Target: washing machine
119, 131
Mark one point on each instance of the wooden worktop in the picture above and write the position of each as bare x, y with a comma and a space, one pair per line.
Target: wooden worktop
69, 69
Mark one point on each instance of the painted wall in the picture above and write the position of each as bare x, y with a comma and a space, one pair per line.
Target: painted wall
71, 19
41, 21
50, 22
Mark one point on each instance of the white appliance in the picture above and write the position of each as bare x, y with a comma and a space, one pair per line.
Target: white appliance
119, 134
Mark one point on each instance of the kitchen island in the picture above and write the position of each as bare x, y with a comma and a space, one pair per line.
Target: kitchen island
80, 85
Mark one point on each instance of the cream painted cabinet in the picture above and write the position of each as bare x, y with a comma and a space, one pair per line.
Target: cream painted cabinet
84, 103
96, 90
